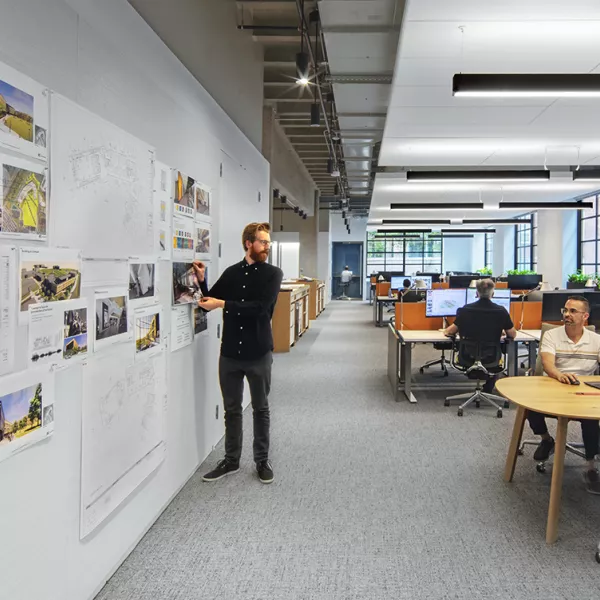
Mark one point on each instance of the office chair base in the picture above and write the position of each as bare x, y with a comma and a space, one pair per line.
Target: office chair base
540, 467
477, 396
443, 361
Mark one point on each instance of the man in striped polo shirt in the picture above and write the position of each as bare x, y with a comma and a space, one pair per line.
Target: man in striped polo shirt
567, 352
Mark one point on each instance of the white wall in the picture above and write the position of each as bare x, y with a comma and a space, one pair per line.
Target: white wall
458, 254
478, 251
307, 230
504, 249
557, 245
569, 244
104, 56
324, 267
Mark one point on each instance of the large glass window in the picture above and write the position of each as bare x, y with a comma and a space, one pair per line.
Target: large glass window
526, 243
489, 250
589, 238
408, 252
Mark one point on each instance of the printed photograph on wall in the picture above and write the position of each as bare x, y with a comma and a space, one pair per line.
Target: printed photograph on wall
184, 201
20, 413
16, 111
202, 201
49, 281
200, 320
111, 317
202, 239
75, 333
147, 331
40, 137
186, 287
141, 280
24, 206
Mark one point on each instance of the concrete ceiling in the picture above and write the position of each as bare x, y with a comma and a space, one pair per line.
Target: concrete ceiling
428, 128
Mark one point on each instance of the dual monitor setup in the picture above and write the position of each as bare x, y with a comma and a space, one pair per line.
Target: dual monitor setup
445, 303
458, 281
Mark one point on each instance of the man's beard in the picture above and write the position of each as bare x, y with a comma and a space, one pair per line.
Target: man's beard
259, 256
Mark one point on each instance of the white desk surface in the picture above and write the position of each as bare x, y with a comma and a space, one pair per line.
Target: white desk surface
431, 336
387, 299
534, 333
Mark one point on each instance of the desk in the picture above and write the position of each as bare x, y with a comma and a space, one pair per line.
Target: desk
548, 396
378, 308
399, 365
531, 337
290, 317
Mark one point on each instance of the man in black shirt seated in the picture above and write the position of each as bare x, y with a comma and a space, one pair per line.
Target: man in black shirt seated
483, 320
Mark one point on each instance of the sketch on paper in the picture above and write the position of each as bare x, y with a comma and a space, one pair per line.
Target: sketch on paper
184, 200
24, 200
16, 111
111, 317
141, 280
49, 281
186, 287
202, 201
40, 137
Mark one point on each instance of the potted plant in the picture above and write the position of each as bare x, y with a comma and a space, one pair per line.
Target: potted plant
485, 271
577, 280
520, 272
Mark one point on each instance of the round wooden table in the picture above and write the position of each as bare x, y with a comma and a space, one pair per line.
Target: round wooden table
566, 402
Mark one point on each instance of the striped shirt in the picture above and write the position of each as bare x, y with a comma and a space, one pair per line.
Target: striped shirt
580, 358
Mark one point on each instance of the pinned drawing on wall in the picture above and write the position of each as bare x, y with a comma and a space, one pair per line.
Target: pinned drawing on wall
58, 332
200, 320
148, 334
182, 333
142, 280
203, 198
203, 232
186, 287
48, 275
184, 233
8, 307
26, 410
23, 113
183, 198
112, 324
24, 206
162, 201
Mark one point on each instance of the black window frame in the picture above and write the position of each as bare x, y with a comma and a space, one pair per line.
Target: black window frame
405, 252
595, 240
489, 250
526, 243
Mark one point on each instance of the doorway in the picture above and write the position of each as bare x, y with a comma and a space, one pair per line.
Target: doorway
348, 254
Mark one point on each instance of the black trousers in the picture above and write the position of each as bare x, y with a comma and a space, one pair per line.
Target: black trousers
589, 431
231, 377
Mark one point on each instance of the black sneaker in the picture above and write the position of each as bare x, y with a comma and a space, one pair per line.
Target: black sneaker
592, 481
265, 471
223, 468
544, 450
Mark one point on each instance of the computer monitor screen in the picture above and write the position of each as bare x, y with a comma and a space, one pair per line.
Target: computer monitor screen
444, 303
552, 302
398, 282
501, 297
396, 273
435, 277
462, 281
426, 279
523, 282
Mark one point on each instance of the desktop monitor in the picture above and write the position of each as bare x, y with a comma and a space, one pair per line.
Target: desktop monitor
396, 273
435, 277
385, 274
523, 282
462, 281
425, 278
553, 301
398, 282
444, 303
501, 297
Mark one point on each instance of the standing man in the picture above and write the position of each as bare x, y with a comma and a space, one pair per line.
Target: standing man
567, 352
247, 293
345, 279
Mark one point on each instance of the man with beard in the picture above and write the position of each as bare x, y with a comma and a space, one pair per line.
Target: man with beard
567, 352
247, 293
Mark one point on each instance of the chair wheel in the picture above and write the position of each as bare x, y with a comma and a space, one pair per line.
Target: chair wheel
446, 402
446, 373
499, 413
477, 404
540, 468
598, 557
506, 404
421, 370
520, 452
460, 412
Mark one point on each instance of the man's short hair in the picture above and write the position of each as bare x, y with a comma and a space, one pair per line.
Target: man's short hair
583, 301
406, 283
346, 267
250, 231
485, 288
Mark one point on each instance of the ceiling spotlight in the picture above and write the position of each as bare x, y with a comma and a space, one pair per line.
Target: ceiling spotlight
304, 216
283, 199
315, 115
296, 209
302, 66
275, 193
302, 81
336, 190
330, 165
313, 17
301, 213
540, 85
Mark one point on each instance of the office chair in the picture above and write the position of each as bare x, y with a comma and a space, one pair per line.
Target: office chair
478, 360
538, 371
344, 285
442, 361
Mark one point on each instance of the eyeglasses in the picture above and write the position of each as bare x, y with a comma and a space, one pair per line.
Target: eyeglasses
570, 311
264, 243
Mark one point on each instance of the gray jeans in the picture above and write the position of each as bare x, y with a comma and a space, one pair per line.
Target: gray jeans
231, 377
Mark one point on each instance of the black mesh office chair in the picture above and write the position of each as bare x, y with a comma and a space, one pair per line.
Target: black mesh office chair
478, 360
442, 361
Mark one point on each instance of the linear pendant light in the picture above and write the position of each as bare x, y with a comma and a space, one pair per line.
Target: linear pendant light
515, 85
501, 206
477, 176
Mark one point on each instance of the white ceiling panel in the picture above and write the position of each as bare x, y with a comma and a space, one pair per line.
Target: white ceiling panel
356, 12
362, 122
357, 151
364, 45
361, 97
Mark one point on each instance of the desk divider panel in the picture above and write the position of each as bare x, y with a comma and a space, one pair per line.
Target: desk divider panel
413, 317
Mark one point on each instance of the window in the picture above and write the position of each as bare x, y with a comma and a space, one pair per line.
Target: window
408, 252
489, 250
526, 243
588, 235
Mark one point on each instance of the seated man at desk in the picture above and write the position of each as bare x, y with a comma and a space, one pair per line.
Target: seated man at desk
405, 286
483, 320
567, 352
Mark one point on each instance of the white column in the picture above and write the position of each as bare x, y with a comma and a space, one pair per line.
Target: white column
555, 246
478, 260
504, 249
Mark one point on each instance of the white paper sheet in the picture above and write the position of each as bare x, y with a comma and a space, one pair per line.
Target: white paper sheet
26, 410
181, 327
105, 272
143, 274
147, 324
58, 333
8, 307
112, 318
184, 235
122, 431
23, 198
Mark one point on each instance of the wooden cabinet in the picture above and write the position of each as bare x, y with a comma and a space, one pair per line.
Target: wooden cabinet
316, 296
291, 316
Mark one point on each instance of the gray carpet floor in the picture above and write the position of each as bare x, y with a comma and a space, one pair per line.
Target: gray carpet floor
372, 500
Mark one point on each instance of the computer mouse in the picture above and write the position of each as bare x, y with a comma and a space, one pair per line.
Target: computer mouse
576, 382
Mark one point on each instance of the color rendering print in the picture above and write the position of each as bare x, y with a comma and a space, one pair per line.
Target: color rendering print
147, 332
111, 317
24, 201
20, 413
42, 282
75, 333
200, 320
16, 111
202, 240
186, 287
184, 194
202, 201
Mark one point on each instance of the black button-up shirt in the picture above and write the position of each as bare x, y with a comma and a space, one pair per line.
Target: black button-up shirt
483, 320
250, 293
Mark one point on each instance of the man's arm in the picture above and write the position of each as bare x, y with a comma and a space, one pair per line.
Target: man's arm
509, 327
268, 297
511, 333
549, 363
451, 330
